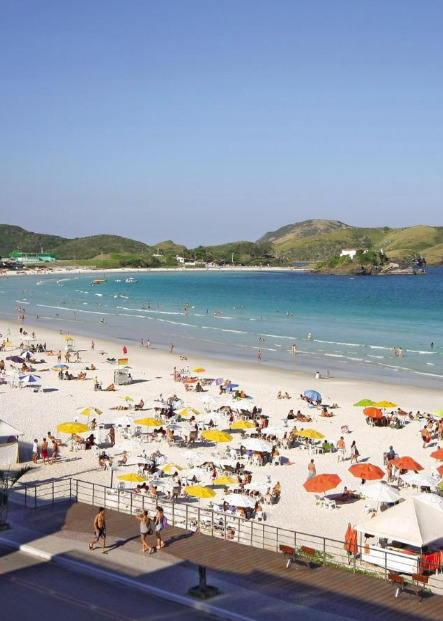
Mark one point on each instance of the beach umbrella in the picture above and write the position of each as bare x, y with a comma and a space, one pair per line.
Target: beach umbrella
231, 386
313, 434
72, 428
29, 379
420, 480
225, 480
438, 454
132, 477
259, 486
216, 436
243, 404
148, 422
170, 468
439, 413
60, 367
198, 370
440, 470
364, 403
242, 424
373, 412
322, 483
89, 411
380, 491
239, 500
406, 463
367, 472
199, 491
185, 412
351, 545
257, 445
27, 354
313, 395
15, 359
126, 398
190, 380
385, 404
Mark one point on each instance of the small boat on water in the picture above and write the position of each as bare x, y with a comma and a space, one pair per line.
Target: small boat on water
131, 279
98, 281
118, 280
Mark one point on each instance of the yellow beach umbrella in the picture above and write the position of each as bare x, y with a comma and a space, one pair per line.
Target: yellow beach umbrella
89, 411
132, 477
185, 412
225, 480
216, 436
126, 398
170, 468
310, 433
198, 370
199, 491
149, 422
68, 338
385, 404
242, 424
72, 428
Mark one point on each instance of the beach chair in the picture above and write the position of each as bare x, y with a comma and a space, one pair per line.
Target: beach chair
319, 500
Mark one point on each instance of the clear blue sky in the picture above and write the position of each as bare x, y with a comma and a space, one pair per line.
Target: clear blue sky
208, 121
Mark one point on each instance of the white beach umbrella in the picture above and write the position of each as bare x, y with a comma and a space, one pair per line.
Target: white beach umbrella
123, 421
432, 500
239, 500
243, 404
28, 380
259, 486
279, 432
257, 445
209, 399
421, 480
380, 491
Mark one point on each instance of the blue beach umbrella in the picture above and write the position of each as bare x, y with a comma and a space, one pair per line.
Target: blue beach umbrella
231, 386
29, 379
15, 359
312, 394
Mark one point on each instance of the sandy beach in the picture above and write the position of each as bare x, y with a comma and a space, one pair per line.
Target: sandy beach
36, 413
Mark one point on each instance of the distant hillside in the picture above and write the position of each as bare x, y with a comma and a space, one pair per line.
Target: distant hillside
318, 240
311, 240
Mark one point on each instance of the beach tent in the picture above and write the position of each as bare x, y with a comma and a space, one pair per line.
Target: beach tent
9, 453
418, 521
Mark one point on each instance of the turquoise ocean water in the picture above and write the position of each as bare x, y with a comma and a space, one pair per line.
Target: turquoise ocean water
354, 322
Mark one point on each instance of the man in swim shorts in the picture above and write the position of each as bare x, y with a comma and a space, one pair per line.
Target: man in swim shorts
99, 530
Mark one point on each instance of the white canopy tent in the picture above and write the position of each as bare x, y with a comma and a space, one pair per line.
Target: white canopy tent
418, 521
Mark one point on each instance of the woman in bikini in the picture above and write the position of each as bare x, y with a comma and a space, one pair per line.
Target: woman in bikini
145, 527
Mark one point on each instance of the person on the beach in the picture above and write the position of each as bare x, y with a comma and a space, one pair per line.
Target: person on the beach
145, 527
44, 451
160, 523
354, 453
92, 345
171, 347
311, 469
99, 530
259, 355
54, 451
341, 449
35, 451
112, 435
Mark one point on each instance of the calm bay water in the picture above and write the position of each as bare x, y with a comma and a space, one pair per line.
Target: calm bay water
354, 322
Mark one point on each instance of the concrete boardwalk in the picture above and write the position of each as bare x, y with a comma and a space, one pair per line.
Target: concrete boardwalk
253, 583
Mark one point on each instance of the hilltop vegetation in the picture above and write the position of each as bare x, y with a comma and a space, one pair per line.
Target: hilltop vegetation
309, 241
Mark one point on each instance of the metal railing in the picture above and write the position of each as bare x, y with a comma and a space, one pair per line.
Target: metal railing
192, 516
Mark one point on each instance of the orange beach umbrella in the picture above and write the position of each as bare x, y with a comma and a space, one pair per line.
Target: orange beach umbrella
368, 472
351, 545
438, 454
406, 463
373, 412
322, 483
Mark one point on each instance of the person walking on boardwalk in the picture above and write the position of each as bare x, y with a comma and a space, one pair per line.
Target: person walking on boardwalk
145, 530
99, 530
160, 523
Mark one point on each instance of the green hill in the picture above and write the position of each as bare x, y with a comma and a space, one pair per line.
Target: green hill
318, 240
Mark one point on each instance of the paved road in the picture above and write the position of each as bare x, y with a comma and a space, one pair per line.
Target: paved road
31, 589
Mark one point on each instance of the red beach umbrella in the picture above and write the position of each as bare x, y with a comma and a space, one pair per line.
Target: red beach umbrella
373, 412
322, 483
438, 455
440, 470
406, 463
368, 472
